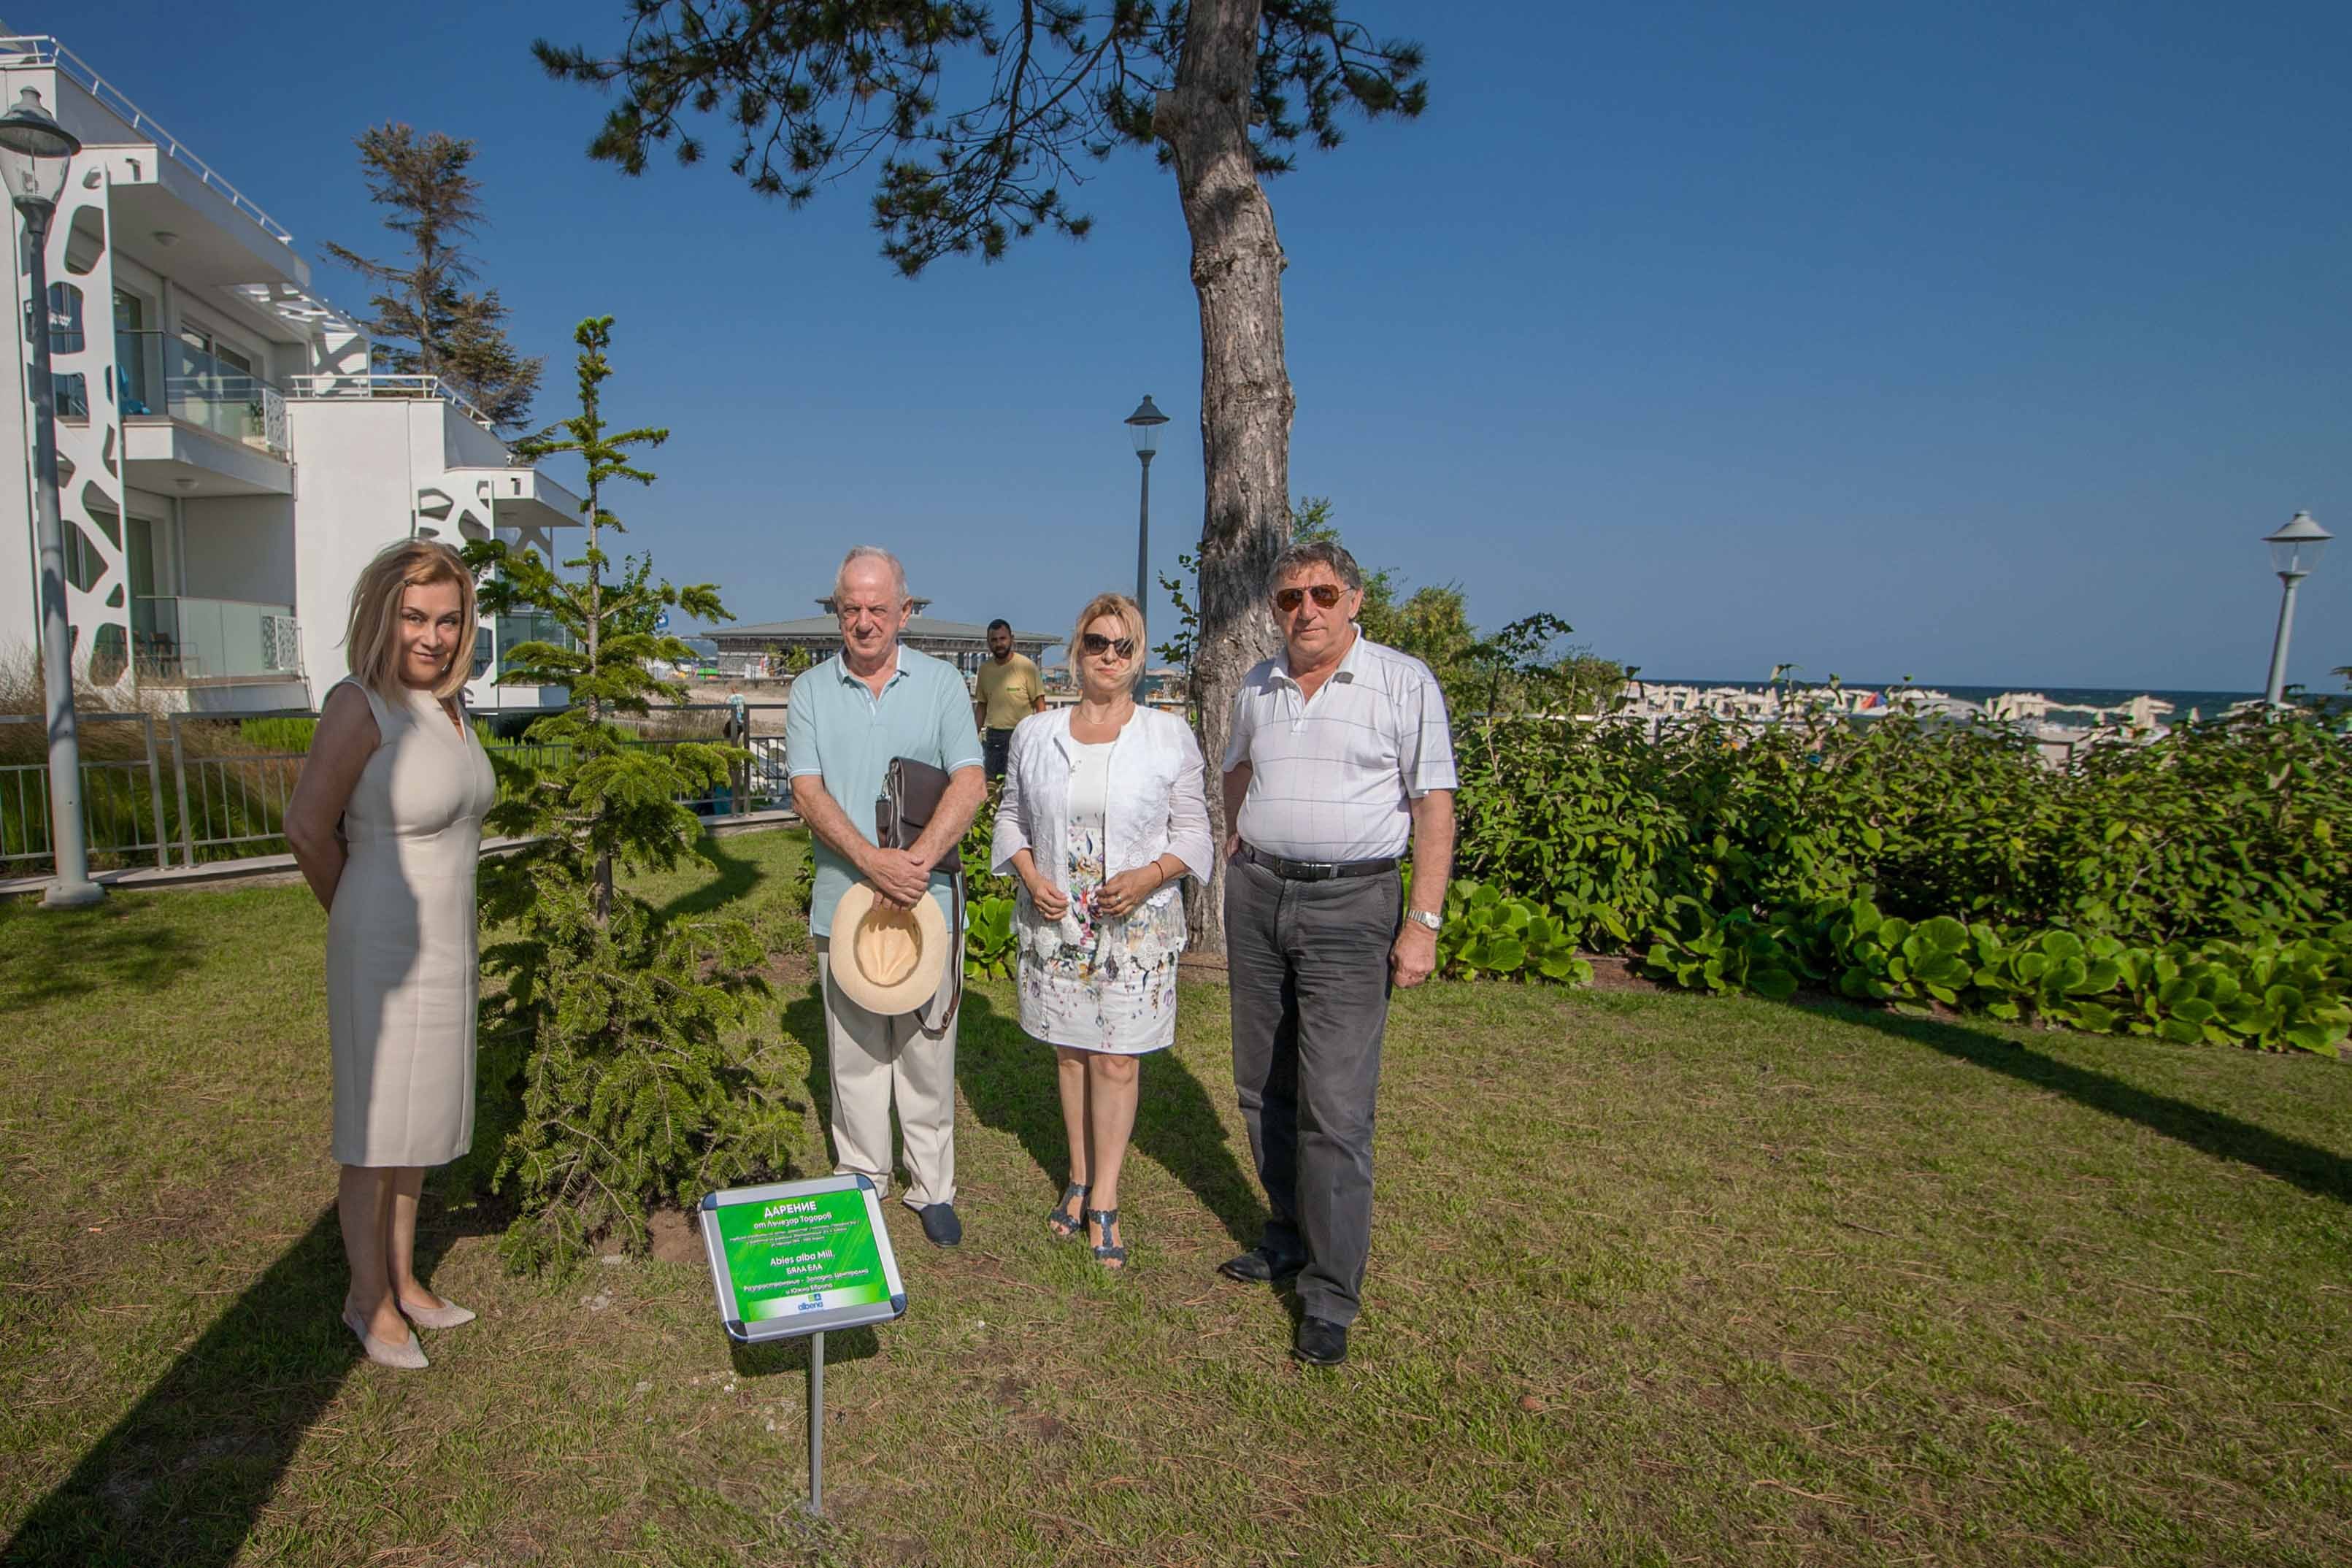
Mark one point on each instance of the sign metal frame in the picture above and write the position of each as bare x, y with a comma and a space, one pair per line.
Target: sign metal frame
810, 1320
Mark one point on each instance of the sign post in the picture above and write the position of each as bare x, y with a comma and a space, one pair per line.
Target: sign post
795, 1259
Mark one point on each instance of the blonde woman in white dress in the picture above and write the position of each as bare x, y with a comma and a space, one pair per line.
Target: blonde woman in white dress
1105, 811
386, 825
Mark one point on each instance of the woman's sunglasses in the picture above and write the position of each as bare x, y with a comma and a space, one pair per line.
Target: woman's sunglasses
1097, 645
1325, 596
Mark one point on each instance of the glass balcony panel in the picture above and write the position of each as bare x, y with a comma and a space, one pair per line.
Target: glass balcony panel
513, 631
139, 371
181, 639
199, 389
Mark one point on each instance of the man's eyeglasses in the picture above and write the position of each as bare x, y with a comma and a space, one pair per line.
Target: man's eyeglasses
1327, 595
1096, 645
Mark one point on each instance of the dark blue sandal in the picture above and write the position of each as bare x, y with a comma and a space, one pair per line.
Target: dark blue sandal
1064, 1221
1109, 1257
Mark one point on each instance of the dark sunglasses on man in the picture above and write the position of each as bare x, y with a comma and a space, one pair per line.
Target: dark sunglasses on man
1326, 594
1096, 645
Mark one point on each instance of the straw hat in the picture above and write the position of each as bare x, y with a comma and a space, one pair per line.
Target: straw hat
888, 961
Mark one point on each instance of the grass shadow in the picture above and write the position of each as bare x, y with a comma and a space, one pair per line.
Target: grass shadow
805, 1021
2225, 1137
56, 955
778, 1356
737, 878
183, 1477
1010, 1079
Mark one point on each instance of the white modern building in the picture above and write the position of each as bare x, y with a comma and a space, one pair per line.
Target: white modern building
228, 460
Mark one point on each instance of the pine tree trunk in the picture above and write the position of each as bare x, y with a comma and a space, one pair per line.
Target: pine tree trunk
1246, 397
603, 906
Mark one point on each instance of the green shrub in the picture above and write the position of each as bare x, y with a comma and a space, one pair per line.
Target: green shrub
2190, 889
979, 882
1487, 934
2054, 975
991, 945
1701, 950
2228, 831
2271, 995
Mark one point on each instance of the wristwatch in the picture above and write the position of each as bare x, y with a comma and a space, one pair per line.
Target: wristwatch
1425, 917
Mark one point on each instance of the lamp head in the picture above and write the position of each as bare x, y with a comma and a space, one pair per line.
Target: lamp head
2296, 548
1146, 422
35, 153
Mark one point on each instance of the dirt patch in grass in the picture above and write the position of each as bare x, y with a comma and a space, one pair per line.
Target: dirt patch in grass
1615, 972
674, 1235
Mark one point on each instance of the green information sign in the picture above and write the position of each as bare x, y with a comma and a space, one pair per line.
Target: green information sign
800, 1258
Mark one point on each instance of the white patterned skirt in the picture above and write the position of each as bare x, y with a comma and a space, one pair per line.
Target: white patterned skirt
1095, 982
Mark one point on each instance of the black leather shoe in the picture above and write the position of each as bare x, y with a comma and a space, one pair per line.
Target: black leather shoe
1260, 1267
940, 1226
1320, 1342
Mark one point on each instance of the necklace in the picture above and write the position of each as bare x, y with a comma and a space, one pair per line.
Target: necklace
1108, 725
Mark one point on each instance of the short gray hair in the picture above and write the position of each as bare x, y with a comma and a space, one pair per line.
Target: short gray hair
1316, 553
871, 552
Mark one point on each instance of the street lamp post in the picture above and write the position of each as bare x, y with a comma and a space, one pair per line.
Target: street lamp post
2294, 552
1145, 422
35, 153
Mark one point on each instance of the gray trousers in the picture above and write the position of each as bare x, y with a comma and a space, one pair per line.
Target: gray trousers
1310, 967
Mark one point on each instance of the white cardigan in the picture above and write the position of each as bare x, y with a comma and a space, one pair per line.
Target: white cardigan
1158, 799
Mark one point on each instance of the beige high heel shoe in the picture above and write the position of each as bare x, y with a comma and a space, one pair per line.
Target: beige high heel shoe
448, 1315
409, 1357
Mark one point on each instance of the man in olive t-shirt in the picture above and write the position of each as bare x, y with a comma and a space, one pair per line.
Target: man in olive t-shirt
1011, 688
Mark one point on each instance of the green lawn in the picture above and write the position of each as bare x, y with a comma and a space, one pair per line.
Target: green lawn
1658, 1279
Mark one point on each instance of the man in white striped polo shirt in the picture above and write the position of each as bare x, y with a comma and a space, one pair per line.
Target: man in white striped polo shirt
1340, 759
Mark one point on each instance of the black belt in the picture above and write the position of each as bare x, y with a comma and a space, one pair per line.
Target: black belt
1318, 870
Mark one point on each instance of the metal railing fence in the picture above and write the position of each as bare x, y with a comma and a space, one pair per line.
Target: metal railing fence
379, 383
121, 795
165, 789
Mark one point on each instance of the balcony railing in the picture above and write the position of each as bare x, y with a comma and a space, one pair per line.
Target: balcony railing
179, 638
158, 373
373, 383
42, 51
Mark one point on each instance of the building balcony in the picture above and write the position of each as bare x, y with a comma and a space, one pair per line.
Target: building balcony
161, 375
179, 640
371, 384
196, 424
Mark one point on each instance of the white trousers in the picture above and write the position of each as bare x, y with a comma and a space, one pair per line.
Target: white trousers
875, 1059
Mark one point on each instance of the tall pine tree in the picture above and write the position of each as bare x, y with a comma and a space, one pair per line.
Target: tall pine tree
1224, 89
427, 321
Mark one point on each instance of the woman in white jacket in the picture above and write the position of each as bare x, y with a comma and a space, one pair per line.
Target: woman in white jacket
1105, 810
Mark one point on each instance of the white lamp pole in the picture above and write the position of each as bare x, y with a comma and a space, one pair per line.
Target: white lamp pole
2294, 552
35, 153
1145, 422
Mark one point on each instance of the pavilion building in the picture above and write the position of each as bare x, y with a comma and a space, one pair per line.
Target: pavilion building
749, 649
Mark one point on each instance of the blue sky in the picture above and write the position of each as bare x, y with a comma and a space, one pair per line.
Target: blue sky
1976, 344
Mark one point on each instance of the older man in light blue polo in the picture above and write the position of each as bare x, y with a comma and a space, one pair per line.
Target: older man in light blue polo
875, 700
